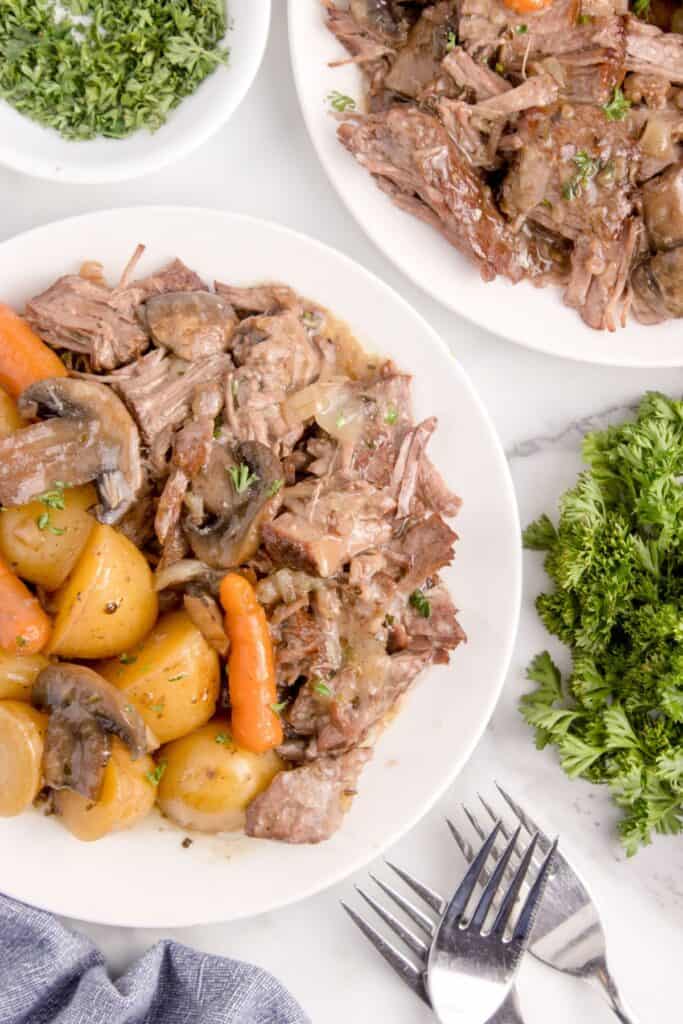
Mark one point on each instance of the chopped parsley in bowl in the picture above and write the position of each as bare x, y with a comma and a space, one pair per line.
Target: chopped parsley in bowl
107, 67
103, 90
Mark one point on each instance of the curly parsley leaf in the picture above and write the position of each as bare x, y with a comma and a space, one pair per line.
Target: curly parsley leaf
615, 562
540, 535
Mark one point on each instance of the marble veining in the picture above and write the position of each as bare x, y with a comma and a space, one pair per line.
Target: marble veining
571, 435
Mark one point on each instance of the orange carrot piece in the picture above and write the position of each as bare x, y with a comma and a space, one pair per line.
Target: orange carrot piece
24, 358
251, 667
24, 626
527, 6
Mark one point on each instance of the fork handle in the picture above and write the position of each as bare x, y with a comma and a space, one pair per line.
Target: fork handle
600, 974
510, 1012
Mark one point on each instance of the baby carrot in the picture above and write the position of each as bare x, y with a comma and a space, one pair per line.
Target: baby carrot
24, 358
251, 667
24, 626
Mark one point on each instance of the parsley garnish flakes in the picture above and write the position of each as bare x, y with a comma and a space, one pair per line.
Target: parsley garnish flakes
274, 488
242, 477
155, 777
618, 107
339, 102
420, 603
587, 167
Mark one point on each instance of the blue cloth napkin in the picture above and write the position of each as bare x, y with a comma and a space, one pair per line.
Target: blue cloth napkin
50, 975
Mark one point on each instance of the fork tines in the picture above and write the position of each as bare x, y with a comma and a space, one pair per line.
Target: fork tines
412, 971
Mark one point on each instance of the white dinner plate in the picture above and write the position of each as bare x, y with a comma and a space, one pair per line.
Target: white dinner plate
27, 146
144, 877
533, 317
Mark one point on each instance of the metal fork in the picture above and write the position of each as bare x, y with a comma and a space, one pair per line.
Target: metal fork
466, 969
568, 933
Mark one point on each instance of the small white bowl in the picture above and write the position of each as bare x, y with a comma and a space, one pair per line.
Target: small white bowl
43, 153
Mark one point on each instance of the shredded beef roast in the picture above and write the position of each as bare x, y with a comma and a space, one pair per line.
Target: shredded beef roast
525, 137
271, 444
306, 805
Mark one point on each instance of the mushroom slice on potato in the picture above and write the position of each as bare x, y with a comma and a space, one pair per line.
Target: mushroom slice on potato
191, 324
88, 434
251, 496
84, 710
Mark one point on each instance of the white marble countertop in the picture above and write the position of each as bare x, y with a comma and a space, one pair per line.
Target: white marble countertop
262, 163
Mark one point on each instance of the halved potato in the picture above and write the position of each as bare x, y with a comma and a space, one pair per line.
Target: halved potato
209, 781
127, 796
10, 420
22, 731
108, 603
172, 678
18, 673
42, 544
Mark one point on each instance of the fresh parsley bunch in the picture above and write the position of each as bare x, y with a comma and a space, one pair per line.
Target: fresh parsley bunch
106, 67
616, 560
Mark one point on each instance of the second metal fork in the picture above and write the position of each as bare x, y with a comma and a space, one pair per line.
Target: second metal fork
465, 967
568, 934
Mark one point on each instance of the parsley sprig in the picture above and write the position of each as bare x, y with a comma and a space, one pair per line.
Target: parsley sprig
616, 562
123, 65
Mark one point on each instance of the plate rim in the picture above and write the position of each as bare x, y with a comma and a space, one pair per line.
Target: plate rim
579, 356
335, 875
43, 168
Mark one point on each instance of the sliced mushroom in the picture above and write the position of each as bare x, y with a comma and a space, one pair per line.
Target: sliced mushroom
84, 710
663, 208
203, 609
233, 535
191, 324
379, 17
658, 287
89, 435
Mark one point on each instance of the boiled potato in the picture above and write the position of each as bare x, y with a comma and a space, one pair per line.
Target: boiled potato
209, 781
172, 678
10, 420
22, 731
18, 673
108, 603
42, 543
127, 796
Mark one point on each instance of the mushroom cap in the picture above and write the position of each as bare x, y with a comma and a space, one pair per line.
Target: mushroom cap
190, 324
111, 448
84, 709
233, 537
